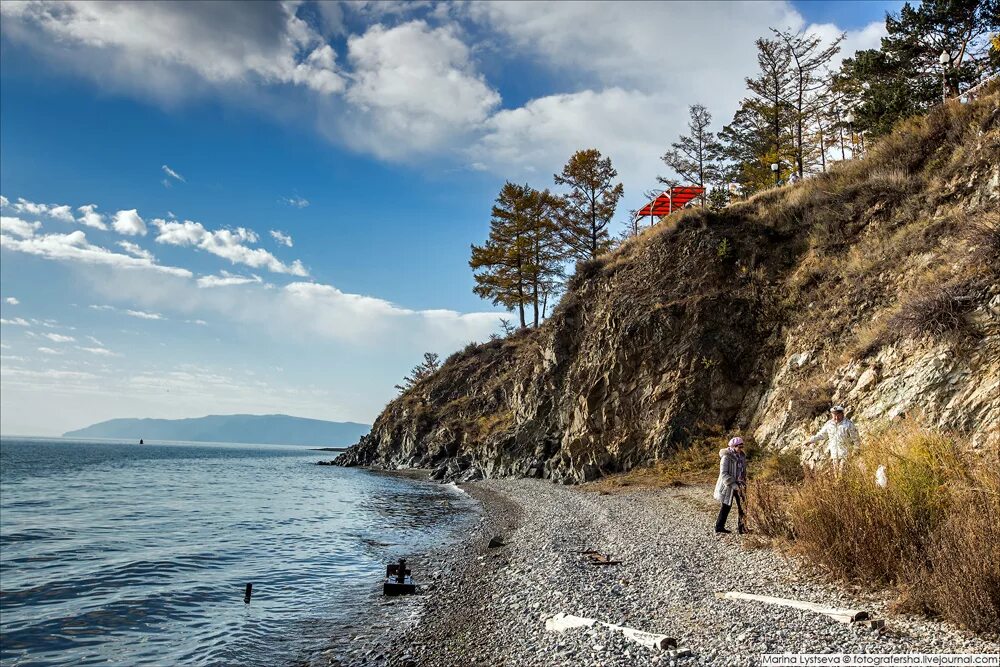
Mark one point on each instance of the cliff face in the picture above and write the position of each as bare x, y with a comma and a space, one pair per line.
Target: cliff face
874, 285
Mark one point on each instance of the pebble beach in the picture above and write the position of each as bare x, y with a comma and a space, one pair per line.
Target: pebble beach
484, 605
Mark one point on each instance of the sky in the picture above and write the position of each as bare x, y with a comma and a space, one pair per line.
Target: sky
213, 208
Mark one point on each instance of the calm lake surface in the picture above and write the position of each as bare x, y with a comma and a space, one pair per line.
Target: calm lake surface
126, 554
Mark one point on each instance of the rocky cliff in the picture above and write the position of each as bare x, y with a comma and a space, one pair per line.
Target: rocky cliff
875, 285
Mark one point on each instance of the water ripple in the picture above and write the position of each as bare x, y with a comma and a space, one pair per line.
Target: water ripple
116, 554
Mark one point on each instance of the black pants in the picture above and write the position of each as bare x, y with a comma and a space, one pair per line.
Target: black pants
720, 523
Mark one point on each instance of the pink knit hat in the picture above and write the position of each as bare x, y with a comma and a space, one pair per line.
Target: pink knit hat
735, 441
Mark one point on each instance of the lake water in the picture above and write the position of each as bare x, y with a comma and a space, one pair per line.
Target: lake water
126, 554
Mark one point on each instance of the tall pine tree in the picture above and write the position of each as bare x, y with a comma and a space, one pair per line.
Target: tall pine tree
589, 205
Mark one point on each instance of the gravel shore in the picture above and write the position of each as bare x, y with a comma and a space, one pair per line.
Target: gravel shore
488, 606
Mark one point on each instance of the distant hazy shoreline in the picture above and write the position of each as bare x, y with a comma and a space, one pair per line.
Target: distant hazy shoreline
256, 429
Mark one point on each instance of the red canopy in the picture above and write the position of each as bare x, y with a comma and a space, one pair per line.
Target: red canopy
669, 201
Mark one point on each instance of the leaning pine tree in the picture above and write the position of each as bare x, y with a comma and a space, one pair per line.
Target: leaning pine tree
590, 204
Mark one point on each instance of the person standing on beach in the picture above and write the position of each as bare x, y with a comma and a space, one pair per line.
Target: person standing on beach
732, 481
841, 437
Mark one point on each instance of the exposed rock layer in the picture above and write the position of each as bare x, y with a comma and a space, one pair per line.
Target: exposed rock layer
873, 285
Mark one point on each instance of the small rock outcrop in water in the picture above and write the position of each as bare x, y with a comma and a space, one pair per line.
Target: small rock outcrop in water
874, 285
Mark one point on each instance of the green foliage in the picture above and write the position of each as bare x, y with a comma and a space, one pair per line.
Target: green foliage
590, 204
521, 261
904, 77
723, 249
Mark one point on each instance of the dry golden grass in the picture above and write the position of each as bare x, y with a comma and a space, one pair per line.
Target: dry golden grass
932, 532
697, 463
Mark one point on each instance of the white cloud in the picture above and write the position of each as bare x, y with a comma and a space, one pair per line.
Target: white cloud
99, 351
296, 201
136, 250
173, 174
225, 243
282, 237
56, 211
537, 139
49, 350
171, 50
226, 279
18, 227
143, 315
12, 301
58, 338
414, 89
4, 201
129, 223
74, 247
91, 218
17, 321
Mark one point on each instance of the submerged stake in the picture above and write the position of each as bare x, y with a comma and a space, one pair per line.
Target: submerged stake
246, 596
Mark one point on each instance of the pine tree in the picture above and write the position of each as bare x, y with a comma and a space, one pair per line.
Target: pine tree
772, 90
903, 78
424, 369
811, 82
590, 204
521, 262
502, 262
693, 157
548, 253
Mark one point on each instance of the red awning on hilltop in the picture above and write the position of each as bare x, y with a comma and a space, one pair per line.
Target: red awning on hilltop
669, 201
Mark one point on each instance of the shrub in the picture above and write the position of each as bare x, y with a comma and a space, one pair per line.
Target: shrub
936, 312
783, 467
931, 532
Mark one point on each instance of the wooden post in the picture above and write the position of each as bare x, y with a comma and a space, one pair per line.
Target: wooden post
249, 592
401, 573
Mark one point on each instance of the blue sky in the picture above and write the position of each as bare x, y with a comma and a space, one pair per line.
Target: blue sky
371, 136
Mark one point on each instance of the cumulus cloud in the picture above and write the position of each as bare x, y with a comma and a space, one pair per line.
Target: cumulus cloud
74, 247
55, 211
91, 218
172, 49
413, 89
18, 227
129, 223
282, 237
226, 279
11, 301
226, 243
17, 321
172, 174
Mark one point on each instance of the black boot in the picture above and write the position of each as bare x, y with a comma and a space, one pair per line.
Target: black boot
720, 523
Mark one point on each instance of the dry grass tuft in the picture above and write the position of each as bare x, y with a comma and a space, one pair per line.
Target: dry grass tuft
935, 311
932, 532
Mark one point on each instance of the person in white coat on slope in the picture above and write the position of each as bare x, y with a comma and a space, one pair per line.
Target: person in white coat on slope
841, 437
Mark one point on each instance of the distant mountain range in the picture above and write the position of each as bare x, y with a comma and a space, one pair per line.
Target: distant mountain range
262, 429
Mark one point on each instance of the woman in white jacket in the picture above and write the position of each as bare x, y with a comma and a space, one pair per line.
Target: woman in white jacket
732, 481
